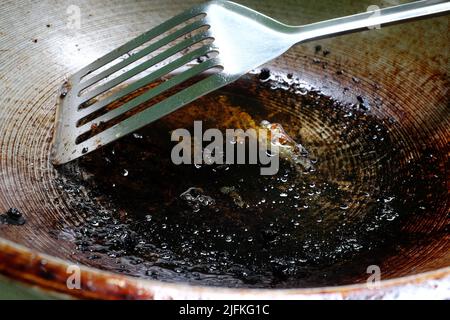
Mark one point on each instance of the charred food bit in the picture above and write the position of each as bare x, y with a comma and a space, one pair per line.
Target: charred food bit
264, 74
13, 216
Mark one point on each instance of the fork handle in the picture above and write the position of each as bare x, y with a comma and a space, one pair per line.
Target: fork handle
369, 19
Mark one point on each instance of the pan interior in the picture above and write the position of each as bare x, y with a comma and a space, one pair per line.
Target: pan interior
227, 225
371, 108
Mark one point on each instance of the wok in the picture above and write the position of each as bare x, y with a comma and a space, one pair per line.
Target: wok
395, 79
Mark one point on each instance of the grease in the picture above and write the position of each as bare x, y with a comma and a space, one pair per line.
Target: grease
226, 225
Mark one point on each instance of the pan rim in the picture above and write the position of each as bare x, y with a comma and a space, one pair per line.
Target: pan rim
25, 265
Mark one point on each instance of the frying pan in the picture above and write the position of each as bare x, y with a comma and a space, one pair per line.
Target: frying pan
401, 72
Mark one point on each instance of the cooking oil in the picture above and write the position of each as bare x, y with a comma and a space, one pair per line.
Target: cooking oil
331, 210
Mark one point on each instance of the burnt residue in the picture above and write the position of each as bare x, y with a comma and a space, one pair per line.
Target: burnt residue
64, 90
264, 74
294, 229
362, 103
12, 217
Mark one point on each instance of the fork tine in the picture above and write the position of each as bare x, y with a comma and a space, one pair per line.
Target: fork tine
153, 113
82, 113
176, 80
149, 49
144, 66
138, 41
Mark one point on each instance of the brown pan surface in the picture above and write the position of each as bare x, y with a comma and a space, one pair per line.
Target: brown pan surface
401, 72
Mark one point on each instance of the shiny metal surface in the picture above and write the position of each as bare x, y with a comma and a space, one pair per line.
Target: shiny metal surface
232, 29
406, 66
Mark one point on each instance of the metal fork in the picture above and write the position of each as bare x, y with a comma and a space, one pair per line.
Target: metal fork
222, 37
